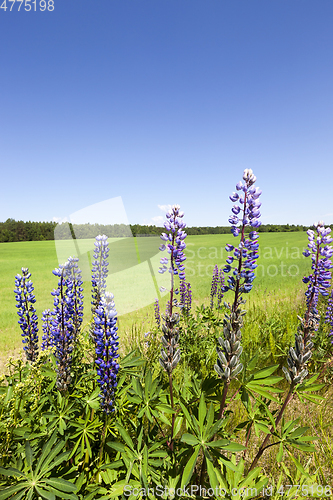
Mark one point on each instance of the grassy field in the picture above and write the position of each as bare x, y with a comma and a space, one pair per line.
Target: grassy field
135, 281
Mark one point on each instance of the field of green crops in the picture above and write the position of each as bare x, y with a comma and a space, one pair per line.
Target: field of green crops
135, 281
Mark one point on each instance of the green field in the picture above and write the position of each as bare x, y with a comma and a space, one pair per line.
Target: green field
134, 279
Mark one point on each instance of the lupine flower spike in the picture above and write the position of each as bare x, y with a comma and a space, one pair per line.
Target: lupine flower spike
28, 318
213, 289
99, 269
75, 275
173, 242
329, 314
106, 350
62, 326
242, 264
47, 339
157, 313
318, 283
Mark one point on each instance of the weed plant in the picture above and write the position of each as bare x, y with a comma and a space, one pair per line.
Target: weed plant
234, 401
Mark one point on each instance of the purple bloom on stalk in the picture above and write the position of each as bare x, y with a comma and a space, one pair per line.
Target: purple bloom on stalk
75, 275
213, 289
99, 269
27, 313
318, 283
175, 246
157, 313
47, 339
243, 260
329, 314
105, 333
62, 325
185, 297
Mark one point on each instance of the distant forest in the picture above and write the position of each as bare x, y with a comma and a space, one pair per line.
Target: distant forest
13, 230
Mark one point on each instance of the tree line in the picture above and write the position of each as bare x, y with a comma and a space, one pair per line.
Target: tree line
12, 230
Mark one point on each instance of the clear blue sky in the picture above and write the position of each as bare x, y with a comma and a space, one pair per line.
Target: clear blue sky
167, 101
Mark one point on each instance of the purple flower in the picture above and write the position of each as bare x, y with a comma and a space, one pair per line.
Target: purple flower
62, 325
27, 313
105, 333
329, 314
99, 269
47, 339
213, 289
175, 246
157, 313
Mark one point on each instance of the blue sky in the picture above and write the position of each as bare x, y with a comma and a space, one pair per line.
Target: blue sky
167, 101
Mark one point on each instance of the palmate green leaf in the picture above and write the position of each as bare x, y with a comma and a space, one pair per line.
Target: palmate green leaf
189, 439
202, 411
10, 471
189, 468
28, 454
265, 372
61, 484
126, 437
279, 455
220, 443
63, 495
18, 496
48, 495
214, 483
298, 432
8, 492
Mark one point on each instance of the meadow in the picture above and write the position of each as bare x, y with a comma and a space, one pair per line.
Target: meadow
133, 266
43, 407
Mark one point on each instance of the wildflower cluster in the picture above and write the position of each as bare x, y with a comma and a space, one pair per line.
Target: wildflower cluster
318, 282
106, 338
157, 313
329, 314
62, 330
47, 340
246, 213
185, 297
243, 263
320, 252
175, 245
28, 321
99, 269
217, 287
75, 275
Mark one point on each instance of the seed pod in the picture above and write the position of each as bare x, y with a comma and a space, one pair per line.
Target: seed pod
293, 354
222, 357
287, 374
237, 370
219, 371
233, 362
227, 346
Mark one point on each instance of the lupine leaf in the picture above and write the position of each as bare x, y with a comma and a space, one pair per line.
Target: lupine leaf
202, 411
7, 492
265, 372
48, 495
28, 454
189, 439
211, 473
279, 455
61, 484
10, 471
220, 443
126, 437
188, 471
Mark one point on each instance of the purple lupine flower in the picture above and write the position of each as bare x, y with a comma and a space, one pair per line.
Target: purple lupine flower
329, 314
175, 246
320, 252
185, 297
27, 313
47, 339
220, 286
318, 283
157, 313
63, 326
105, 332
213, 289
188, 298
243, 260
242, 264
75, 275
99, 269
